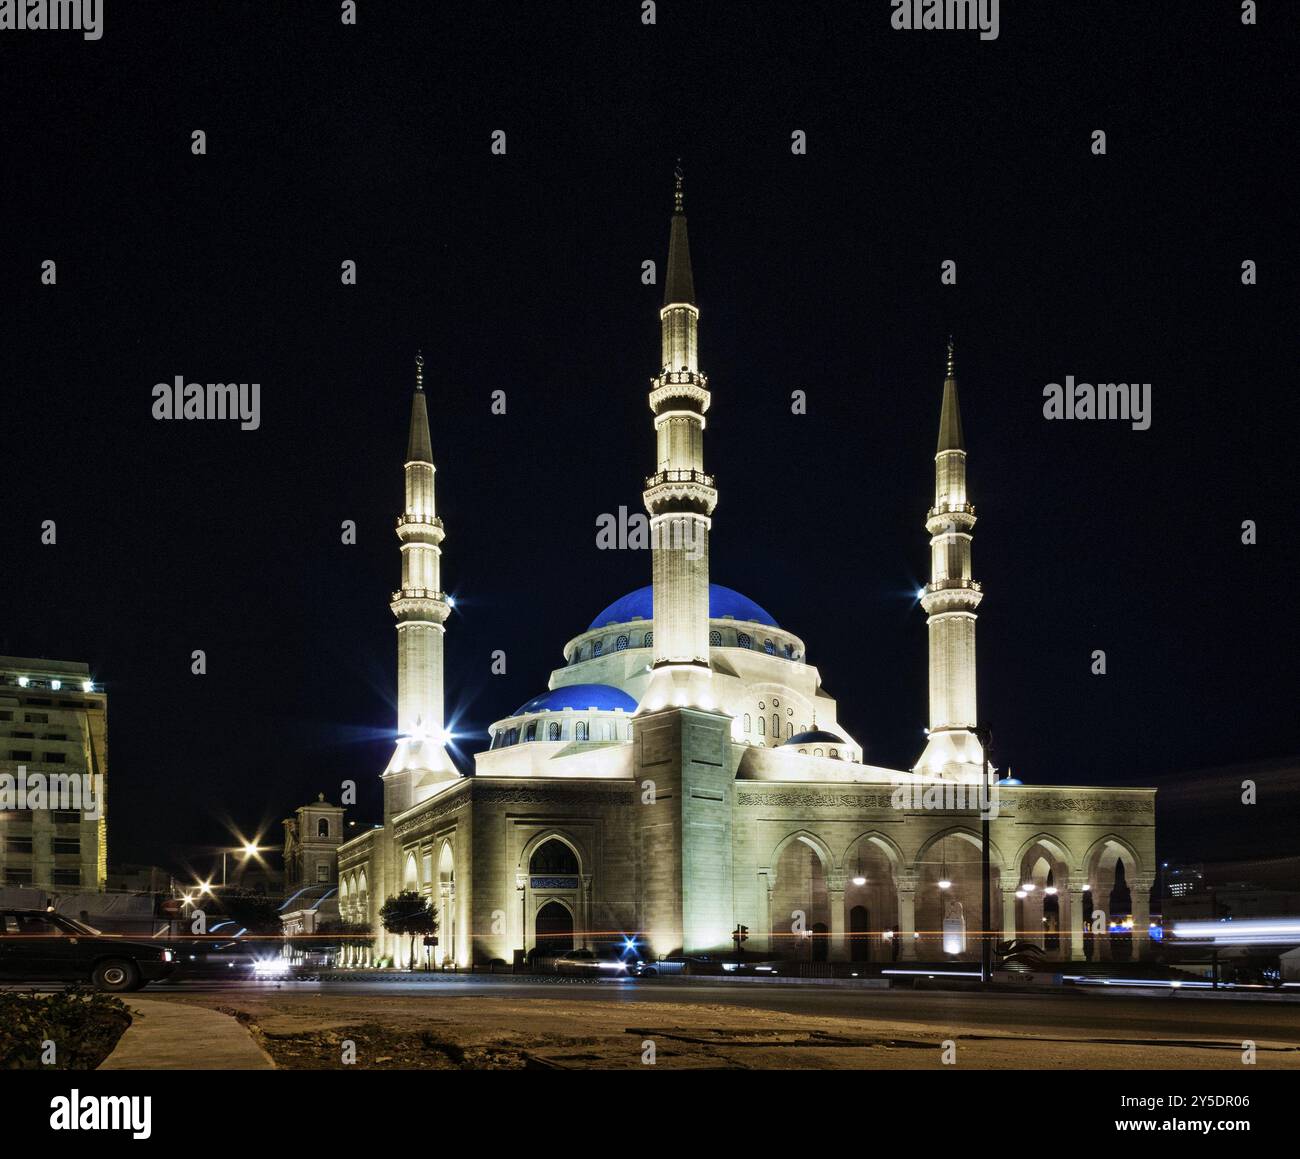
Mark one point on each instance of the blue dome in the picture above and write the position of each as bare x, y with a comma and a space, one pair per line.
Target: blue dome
722, 602
603, 697
814, 736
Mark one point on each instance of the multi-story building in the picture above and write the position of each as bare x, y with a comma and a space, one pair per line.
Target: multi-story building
53, 776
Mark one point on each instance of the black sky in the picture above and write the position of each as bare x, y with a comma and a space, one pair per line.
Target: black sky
522, 273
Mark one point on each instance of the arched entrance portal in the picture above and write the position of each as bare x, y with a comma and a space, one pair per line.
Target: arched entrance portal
554, 926
800, 899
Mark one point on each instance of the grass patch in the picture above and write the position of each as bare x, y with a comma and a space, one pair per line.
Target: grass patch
74, 1030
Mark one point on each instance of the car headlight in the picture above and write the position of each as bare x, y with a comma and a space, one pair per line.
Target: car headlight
168, 956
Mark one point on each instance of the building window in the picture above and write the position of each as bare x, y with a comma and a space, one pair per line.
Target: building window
789, 651
553, 730
835, 754
512, 737
769, 647
580, 730
649, 639
18, 876
743, 640
18, 845
789, 730
55, 758
66, 817
749, 724
323, 827
67, 877
20, 755
37, 717
67, 845
776, 727
715, 639
530, 733
597, 648
817, 752
620, 644
553, 858
323, 871
775, 702
762, 726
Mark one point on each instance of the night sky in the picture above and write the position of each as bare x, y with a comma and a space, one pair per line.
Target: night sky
522, 273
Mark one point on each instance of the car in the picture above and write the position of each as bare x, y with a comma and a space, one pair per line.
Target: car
590, 962
677, 964
43, 946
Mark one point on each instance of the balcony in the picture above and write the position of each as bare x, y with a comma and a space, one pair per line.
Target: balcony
662, 477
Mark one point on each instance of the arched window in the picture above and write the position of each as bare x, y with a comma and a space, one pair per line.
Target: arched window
649, 639
512, 737
743, 640
789, 651
530, 733
762, 726
776, 727
749, 724
769, 647
835, 754
817, 752
553, 730
552, 857
323, 827
597, 647
620, 644
580, 730
789, 729
715, 639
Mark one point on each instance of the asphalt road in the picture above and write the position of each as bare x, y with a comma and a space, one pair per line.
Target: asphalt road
1074, 1013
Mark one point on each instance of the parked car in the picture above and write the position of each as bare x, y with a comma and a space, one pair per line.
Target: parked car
678, 964
42, 946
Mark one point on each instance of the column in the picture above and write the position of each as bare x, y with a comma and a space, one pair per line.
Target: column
1140, 896
907, 916
1008, 912
1077, 915
835, 892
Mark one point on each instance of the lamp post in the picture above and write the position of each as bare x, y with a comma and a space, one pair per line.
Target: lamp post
984, 736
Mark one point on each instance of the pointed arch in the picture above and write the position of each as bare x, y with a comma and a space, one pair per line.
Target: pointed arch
810, 839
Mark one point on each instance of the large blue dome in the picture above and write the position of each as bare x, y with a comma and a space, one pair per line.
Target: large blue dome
722, 602
602, 697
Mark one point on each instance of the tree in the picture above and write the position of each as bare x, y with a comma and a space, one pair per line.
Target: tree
410, 915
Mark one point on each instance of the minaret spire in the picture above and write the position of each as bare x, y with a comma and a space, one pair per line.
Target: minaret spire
421, 608
679, 496
950, 600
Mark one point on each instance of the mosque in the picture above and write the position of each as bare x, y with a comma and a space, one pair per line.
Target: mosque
686, 776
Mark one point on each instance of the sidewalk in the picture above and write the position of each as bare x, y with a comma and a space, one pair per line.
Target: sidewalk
167, 1035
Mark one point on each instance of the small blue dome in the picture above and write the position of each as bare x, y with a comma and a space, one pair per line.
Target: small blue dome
722, 602
814, 736
602, 697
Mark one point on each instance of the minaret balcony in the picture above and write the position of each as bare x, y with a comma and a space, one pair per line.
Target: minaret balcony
680, 492
950, 517
951, 595
420, 604
415, 528
677, 385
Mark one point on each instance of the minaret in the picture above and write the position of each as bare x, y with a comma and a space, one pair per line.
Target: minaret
420, 759
950, 600
679, 496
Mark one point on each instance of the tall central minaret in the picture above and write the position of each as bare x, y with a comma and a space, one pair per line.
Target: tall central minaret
950, 600
679, 496
420, 759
